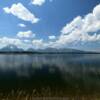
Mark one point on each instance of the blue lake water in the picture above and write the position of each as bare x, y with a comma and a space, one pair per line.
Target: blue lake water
68, 73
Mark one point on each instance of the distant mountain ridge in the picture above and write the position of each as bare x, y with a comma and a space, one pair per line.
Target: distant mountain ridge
10, 48
15, 49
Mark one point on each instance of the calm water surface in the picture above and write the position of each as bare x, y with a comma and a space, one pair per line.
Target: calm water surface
77, 73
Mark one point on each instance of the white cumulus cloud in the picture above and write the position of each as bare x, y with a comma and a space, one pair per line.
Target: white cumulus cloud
38, 2
22, 25
39, 44
5, 41
81, 29
52, 37
26, 34
20, 11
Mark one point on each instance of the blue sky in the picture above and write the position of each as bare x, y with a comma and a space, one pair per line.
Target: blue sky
50, 23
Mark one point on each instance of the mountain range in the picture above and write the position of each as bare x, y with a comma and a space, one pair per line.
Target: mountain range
15, 49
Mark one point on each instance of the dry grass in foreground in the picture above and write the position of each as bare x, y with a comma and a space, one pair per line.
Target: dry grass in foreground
28, 97
47, 95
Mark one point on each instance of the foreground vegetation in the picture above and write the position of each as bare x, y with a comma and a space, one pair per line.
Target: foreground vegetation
46, 95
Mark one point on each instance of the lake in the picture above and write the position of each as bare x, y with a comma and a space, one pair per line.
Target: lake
50, 74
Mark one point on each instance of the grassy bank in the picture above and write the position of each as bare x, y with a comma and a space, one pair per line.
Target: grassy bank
47, 95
